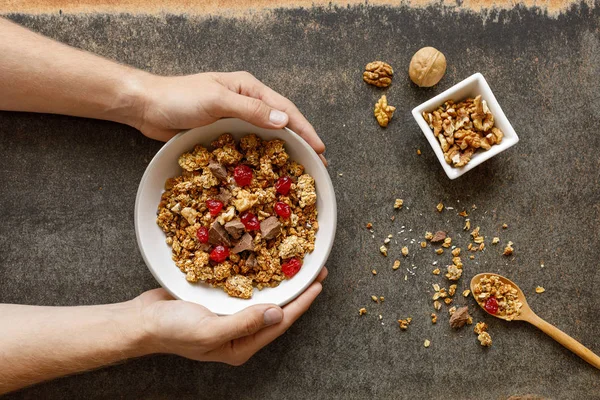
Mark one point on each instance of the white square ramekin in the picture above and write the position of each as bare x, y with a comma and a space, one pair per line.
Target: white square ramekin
470, 87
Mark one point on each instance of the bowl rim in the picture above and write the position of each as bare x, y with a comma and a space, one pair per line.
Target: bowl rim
327, 182
511, 138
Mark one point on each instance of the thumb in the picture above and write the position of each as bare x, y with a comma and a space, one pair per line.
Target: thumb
247, 322
253, 110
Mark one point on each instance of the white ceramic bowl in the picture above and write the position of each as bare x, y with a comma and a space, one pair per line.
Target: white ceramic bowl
157, 254
470, 87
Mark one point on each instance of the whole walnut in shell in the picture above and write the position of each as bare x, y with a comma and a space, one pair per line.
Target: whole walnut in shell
427, 67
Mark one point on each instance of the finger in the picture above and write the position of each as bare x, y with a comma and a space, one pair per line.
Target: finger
246, 322
324, 160
322, 275
246, 84
253, 110
291, 313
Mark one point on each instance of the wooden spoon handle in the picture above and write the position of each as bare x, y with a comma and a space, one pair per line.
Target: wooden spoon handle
566, 340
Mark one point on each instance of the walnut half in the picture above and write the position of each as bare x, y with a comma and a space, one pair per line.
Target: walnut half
378, 73
383, 112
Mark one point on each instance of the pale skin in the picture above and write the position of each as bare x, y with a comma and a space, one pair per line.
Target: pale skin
42, 343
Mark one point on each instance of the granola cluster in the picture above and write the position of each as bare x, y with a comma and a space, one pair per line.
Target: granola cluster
236, 235
509, 305
462, 128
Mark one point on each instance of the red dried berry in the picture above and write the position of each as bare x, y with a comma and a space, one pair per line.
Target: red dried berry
214, 206
491, 305
283, 210
291, 267
219, 254
283, 185
202, 234
250, 221
242, 175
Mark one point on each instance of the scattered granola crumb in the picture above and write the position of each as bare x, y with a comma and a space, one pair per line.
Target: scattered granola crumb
427, 343
437, 305
480, 327
439, 251
369, 225
496, 240
456, 252
405, 251
433, 318
393, 217
508, 250
398, 203
447, 242
452, 290
396, 265
472, 257
387, 240
428, 235
466, 293
380, 317
504, 226
383, 250
454, 273
419, 152
381, 298
404, 323
448, 301
436, 271
440, 207
452, 310
463, 213
374, 271
459, 317
362, 311
423, 244
374, 298
470, 320
485, 339
539, 290
467, 224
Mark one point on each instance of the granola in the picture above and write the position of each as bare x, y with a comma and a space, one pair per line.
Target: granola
240, 216
497, 297
462, 128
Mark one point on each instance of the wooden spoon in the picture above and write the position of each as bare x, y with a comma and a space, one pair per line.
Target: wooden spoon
528, 315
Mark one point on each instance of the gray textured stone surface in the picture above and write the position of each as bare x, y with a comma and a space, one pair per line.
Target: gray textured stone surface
68, 190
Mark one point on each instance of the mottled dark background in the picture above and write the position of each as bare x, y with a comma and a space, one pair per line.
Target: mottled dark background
69, 184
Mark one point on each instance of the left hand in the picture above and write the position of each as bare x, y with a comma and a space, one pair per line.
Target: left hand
171, 104
191, 330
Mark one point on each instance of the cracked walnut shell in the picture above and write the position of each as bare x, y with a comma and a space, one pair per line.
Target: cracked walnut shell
427, 67
378, 73
383, 112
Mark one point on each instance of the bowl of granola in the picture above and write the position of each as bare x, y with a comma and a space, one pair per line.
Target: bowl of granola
465, 125
230, 215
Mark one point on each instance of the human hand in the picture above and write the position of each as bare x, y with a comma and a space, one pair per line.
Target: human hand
171, 104
191, 330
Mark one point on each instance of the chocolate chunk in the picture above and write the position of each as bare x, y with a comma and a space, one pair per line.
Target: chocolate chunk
224, 196
270, 228
204, 246
459, 318
218, 235
438, 237
235, 228
245, 243
251, 261
217, 170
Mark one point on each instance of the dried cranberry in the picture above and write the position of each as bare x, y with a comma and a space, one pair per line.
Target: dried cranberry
242, 175
283, 210
219, 254
291, 267
250, 221
214, 206
491, 305
283, 185
202, 234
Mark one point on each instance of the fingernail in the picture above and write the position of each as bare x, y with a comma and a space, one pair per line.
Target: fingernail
278, 117
273, 316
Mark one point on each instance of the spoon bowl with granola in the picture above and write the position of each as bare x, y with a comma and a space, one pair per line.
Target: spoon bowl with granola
502, 298
231, 215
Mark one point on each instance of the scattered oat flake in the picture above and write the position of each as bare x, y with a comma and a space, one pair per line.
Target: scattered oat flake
362, 311
380, 316
386, 241
539, 290
341, 174
427, 343
440, 207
